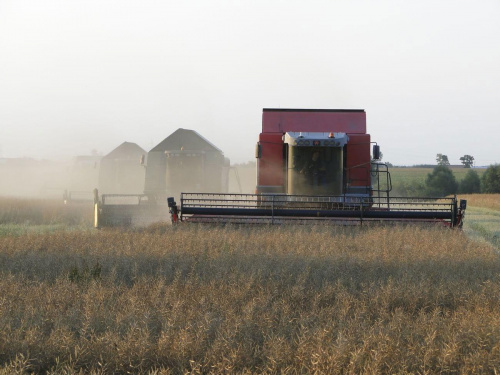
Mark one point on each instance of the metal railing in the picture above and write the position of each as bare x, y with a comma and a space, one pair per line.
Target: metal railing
348, 207
132, 199
127, 210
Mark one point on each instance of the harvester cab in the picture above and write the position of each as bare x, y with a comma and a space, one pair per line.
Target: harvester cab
314, 163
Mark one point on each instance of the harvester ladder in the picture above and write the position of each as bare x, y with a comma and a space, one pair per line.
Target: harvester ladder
381, 191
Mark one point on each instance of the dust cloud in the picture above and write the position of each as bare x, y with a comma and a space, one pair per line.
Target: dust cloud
30, 178
76, 178
242, 178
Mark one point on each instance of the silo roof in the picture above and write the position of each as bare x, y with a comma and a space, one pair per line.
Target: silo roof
127, 150
186, 139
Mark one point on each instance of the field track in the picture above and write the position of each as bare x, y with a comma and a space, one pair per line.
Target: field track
482, 219
483, 225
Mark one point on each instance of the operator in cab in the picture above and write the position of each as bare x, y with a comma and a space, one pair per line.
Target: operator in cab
315, 170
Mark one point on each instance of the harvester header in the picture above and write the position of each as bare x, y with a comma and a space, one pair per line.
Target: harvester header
317, 164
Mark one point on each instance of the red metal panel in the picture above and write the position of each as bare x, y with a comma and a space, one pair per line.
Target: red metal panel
270, 164
358, 160
296, 120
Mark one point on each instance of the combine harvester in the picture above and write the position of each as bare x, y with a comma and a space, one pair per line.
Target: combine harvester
183, 160
315, 165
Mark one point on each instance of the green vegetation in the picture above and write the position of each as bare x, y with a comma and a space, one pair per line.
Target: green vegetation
471, 183
491, 179
411, 181
440, 182
442, 159
483, 224
467, 161
482, 218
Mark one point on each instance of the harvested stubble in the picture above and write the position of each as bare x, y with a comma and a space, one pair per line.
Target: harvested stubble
250, 300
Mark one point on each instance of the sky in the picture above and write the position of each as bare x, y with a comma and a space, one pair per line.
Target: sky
78, 77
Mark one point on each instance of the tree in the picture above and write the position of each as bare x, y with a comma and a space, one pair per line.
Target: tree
442, 159
471, 183
491, 179
441, 182
467, 161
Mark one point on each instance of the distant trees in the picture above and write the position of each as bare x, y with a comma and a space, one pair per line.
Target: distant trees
467, 161
442, 159
491, 179
441, 181
444, 181
471, 183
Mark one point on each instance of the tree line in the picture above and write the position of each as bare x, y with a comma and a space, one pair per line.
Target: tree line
441, 181
466, 160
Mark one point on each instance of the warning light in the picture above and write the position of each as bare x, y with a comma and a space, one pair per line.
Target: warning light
331, 135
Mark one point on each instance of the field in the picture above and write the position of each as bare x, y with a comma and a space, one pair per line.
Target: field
410, 174
211, 299
483, 218
403, 178
409, 181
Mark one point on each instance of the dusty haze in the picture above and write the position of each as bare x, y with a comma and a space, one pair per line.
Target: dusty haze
31, 178
82, 75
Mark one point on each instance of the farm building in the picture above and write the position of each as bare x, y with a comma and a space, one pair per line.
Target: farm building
122, 170
185, 162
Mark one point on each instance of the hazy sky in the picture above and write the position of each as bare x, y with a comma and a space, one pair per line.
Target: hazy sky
82, 75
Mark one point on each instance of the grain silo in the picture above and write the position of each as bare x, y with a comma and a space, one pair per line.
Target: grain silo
185, 162
122, 170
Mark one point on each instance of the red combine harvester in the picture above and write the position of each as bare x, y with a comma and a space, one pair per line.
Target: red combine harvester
315, 165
